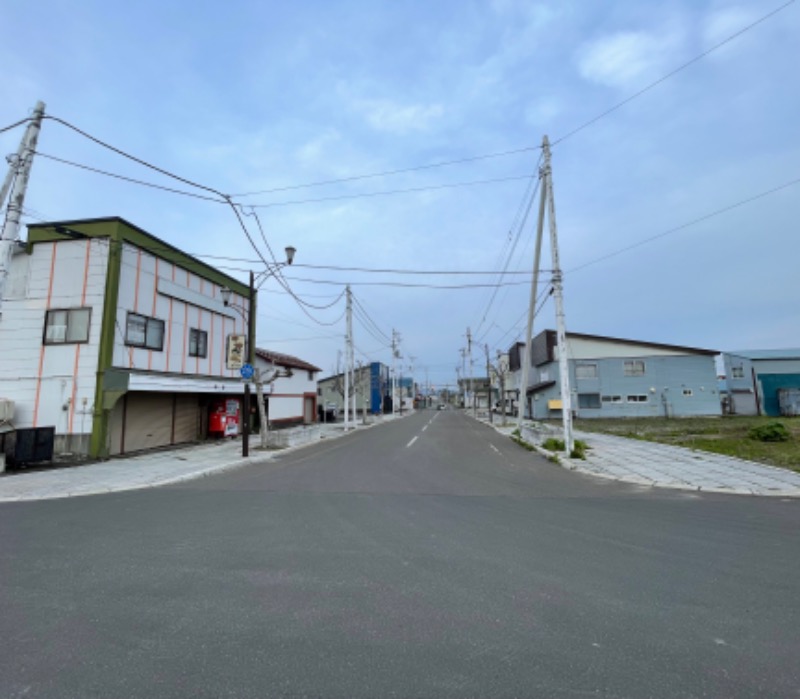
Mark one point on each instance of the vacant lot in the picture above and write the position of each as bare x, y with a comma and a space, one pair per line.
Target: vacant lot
721, 435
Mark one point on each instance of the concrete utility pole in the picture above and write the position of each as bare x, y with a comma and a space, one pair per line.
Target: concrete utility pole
395, 356
489, 381
348, 357
471, 380
558, 294
537, 256
463, 378
19, 174
502, 369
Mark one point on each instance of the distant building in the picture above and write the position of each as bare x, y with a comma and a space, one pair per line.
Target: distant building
762, 382
372, 387
616, 377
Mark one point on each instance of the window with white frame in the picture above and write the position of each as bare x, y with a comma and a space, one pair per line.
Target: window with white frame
142, 331
198, 343
737, 372
639, 398
64, 326
633, 367
612, 399
544, 375
586, 371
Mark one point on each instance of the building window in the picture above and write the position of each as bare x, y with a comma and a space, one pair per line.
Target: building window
198, 343
310, 375
66, 326
589, 400
641, 398
544, 375
612, 399
633, 367
586, 371
687, 392
737, 372
144, 332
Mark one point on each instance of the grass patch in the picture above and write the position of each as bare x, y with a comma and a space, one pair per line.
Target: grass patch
729, 435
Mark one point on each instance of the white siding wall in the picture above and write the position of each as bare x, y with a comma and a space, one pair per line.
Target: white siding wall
579, 348
151, 287
67, 274
286, 395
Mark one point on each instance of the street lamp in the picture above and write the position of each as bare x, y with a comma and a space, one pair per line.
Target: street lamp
250, 318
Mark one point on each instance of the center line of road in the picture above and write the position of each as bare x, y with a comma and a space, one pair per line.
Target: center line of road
495, 448
411, 442
425, 428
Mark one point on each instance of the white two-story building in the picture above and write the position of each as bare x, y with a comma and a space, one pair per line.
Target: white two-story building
115, 338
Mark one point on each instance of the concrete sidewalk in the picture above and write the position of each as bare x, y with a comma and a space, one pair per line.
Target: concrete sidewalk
161, 467
667, 466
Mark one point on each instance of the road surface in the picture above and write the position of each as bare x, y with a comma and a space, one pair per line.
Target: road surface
428, 557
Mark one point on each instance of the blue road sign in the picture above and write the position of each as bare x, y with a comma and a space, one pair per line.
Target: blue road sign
247, 371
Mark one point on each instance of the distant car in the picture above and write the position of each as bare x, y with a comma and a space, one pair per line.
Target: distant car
441, 406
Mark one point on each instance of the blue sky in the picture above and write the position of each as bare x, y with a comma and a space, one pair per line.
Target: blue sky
252, 96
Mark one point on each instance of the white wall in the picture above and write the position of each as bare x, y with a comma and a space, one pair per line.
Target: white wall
158, 289
68, 274
286, 394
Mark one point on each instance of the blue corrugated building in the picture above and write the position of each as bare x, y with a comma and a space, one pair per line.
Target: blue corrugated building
759, 381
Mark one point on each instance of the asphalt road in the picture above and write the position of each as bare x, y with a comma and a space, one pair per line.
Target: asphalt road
428, 557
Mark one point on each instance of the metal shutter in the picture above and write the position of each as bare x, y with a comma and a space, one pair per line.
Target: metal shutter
187, 418
148, 421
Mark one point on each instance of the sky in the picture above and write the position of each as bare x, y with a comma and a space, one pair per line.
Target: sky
663, 144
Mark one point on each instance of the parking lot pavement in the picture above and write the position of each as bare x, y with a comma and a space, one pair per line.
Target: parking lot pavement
156, 468
667, 466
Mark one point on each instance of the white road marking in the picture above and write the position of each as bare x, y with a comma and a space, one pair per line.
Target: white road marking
411, 442
425, 428
495, 448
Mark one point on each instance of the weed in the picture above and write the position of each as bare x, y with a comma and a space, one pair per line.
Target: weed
771, 432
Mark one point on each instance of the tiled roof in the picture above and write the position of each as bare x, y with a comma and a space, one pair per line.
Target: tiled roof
286, 360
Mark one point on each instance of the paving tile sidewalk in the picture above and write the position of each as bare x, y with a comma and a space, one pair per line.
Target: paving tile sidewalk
667, 466
150, 469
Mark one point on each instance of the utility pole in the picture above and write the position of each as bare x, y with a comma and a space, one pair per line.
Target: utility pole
463, 379
558, 294
489, 381
471, 381
502, 368
413, 387
348, 345
21, 166
395, 355
537, 255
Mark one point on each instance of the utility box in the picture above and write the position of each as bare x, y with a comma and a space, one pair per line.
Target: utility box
789, 401
6, 410
34, 445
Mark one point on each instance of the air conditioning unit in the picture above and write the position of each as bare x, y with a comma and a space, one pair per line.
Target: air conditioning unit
6, 410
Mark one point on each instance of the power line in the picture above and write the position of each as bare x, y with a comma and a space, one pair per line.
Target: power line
410, 190
410, 285
694, 222
129, 179
470, 159
672, 73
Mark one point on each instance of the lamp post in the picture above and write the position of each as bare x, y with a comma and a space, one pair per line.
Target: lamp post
250, 317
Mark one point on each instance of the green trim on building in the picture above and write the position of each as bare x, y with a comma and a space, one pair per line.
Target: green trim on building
121, 231
111, 383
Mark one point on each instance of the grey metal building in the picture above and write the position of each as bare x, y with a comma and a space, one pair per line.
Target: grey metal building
616, 377
762, 382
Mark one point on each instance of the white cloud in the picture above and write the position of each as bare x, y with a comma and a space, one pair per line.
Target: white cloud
723, 23
385, 115
627, 59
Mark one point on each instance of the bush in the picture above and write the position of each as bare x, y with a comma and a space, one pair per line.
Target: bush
579, 451
552, 444
771, 432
